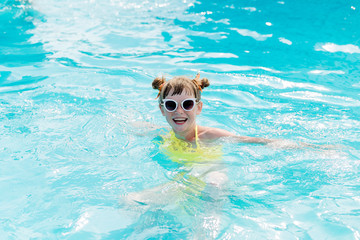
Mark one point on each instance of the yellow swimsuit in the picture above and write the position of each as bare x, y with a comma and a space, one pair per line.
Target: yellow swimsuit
183, 152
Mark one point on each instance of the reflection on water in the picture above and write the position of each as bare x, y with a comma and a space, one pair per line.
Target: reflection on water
16, 49
16, 23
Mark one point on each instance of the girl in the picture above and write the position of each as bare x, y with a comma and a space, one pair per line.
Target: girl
198, 177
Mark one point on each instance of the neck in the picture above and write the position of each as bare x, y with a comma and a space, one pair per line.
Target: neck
188, 136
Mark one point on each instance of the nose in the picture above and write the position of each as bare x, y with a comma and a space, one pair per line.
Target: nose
179, 109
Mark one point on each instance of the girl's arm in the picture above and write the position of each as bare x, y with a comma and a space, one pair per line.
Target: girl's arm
207, 133
216, 133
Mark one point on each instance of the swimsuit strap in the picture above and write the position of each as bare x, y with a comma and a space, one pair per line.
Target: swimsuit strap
196, 137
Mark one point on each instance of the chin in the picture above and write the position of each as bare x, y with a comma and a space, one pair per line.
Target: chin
180, 128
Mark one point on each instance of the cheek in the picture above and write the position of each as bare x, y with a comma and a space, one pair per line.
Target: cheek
198, 108
193, 114
198, 111
167, 115
162, 110
169, 119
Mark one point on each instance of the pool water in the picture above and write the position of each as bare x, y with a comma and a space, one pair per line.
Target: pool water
78, 117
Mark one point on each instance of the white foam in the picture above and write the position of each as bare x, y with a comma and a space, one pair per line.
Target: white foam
326, 72
286, 41
332, 47
255, 35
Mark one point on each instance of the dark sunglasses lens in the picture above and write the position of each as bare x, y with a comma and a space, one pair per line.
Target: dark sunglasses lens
188, 105
170, 105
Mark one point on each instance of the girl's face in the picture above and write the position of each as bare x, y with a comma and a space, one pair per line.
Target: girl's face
180, 120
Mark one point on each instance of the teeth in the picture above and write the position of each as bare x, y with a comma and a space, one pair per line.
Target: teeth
180, 120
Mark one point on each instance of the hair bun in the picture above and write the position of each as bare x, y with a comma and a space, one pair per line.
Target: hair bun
204, 83
158, 82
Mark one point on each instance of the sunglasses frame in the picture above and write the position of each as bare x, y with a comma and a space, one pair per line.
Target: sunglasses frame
177, 104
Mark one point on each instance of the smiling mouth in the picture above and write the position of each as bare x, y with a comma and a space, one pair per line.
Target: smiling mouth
180, 121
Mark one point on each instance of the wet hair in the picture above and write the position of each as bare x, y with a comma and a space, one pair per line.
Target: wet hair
178, 85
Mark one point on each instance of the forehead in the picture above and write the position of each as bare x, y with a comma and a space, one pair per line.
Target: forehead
186, 93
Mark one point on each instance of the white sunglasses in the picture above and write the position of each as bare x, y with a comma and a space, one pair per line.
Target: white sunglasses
171, 105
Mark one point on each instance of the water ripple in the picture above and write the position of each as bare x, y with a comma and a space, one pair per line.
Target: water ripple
319, 97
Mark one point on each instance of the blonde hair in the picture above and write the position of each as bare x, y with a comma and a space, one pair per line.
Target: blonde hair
180, 84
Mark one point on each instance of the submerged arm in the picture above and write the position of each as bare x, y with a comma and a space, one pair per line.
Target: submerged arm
246, 139
215, 133
282, 143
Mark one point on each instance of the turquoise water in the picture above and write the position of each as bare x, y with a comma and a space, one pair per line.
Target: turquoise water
77, 111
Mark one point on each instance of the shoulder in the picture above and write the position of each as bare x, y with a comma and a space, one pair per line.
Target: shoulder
210, 133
